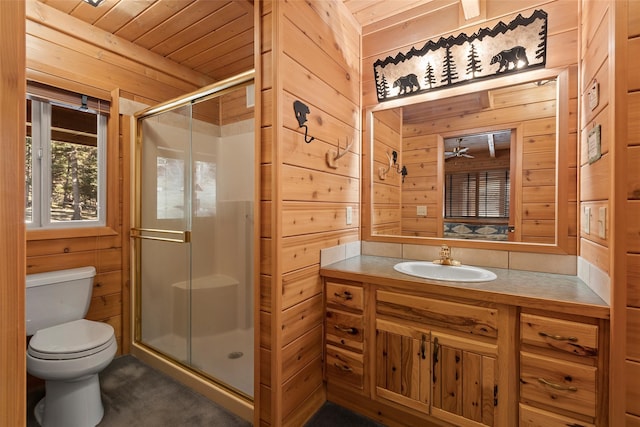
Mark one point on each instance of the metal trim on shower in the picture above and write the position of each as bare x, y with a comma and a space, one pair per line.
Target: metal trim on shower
186, 235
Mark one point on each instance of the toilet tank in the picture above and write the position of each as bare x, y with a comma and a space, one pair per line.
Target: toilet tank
57, 297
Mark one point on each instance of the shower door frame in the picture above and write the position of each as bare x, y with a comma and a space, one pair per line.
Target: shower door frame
227, 396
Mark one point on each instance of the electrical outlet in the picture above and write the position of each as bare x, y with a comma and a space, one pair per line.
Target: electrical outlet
602, 222
421, 210
586, 220
349, 215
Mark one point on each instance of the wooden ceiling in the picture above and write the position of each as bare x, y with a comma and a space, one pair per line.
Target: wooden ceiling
213, 37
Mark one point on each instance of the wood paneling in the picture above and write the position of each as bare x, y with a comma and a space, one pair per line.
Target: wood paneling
311, 52
12, 251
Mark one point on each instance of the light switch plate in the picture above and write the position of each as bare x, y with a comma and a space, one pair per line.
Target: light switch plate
602, 222
594, 95
421, 210
349, 215
586, 220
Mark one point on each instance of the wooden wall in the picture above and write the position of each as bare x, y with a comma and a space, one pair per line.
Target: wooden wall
632, 364
387, 183
610, 56
309, 52
595, 179
65, 52
12, 248
420, 188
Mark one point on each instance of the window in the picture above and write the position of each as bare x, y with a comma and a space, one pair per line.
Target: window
482, 194
65, 172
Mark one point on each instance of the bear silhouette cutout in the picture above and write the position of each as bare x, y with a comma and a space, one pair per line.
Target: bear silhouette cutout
510, 56
407, 82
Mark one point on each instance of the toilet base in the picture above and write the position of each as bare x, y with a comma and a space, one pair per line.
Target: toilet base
71, 403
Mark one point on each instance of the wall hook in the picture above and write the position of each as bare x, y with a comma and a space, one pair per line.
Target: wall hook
301, 110
333, 156
382, 171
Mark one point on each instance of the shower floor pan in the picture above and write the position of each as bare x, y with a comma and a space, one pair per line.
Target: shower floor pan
227, 356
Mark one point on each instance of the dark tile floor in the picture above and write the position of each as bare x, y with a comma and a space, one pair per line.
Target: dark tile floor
135, 394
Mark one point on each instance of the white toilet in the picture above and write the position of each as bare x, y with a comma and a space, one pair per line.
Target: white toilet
66, 350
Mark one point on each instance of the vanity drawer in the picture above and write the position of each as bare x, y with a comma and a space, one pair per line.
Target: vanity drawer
558, 383
571, 337
345, 329
345, 367
345, 296
534, 417
467, 318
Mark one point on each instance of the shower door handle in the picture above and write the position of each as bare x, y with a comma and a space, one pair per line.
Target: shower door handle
185, 236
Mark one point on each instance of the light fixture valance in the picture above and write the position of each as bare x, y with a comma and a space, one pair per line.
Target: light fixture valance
517, 46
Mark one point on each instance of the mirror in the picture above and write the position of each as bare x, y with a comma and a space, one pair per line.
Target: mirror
479, 164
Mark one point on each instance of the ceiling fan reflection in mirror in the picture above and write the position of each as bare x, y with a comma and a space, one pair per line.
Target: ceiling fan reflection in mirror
458, 151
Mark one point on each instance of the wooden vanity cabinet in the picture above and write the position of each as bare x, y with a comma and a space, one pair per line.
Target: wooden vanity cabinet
437, 356
561, 370
408, 357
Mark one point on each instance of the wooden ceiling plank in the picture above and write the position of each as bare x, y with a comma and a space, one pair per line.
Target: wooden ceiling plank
223, 69
65, 6
178, 22
155, 14
122, 14
385, 9
90, 14
213, 39
237, 43
210, 23
356, 6
424, 8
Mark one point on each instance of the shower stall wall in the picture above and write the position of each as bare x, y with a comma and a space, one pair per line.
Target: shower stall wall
193, 235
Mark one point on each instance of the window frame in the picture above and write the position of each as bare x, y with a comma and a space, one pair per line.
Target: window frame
108, 103
41, 113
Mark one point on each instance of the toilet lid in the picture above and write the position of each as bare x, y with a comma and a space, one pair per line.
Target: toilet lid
71, 340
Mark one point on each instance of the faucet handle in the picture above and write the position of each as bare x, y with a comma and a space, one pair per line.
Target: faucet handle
445, 252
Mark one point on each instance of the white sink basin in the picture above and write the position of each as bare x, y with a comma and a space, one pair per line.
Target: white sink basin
460, 273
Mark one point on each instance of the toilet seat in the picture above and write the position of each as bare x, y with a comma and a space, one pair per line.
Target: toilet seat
72, 340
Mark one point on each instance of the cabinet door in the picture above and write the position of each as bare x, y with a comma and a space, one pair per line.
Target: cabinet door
402, 364
464, 380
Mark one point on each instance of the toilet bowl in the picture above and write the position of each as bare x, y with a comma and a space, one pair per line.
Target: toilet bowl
67, 355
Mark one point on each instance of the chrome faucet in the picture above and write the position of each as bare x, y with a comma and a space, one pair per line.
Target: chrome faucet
445, 257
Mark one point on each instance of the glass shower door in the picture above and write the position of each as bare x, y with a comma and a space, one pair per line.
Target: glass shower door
163, 236
193, 232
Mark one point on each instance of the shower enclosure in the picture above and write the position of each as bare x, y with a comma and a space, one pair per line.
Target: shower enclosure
193, 233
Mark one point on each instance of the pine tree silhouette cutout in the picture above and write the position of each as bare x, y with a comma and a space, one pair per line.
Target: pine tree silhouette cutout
383, 88
430, 77
542, 46
449, 72
473, 62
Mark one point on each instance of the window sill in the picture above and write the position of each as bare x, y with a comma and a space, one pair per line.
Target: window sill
67, 233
